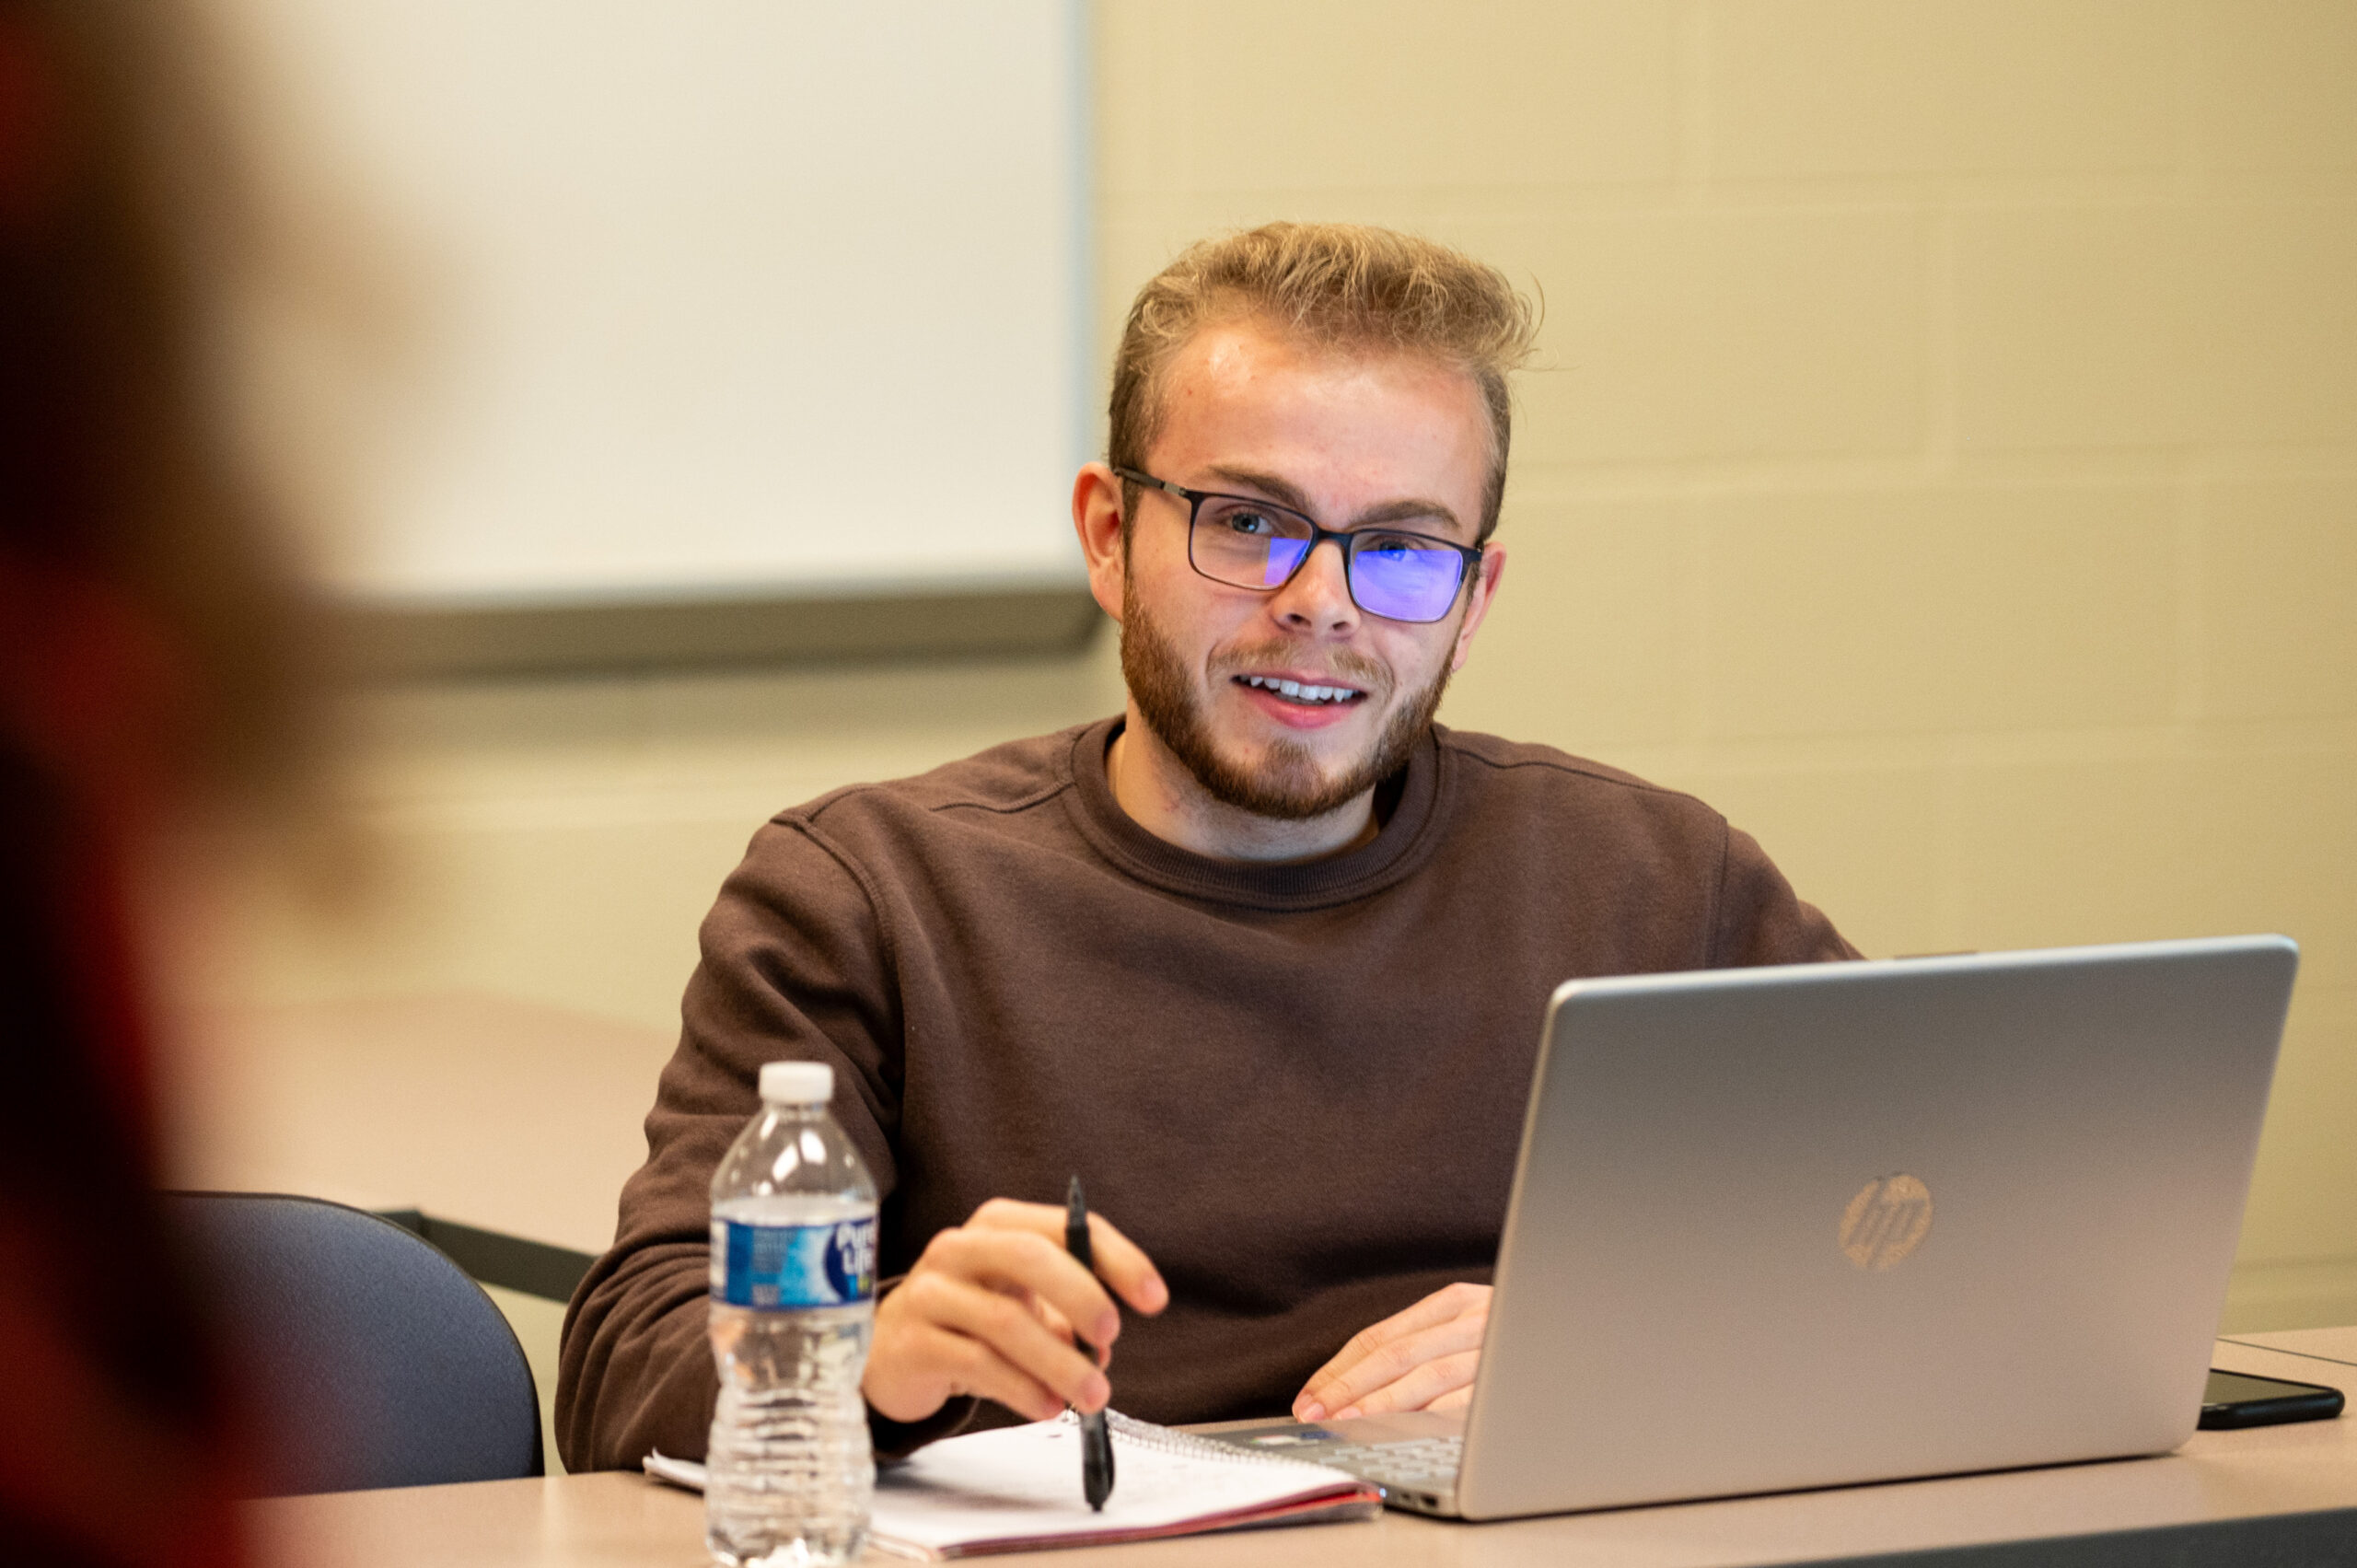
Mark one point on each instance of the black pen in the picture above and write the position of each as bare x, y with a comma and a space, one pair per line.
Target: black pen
1095, 1443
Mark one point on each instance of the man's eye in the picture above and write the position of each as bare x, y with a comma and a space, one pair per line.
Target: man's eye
1252, 524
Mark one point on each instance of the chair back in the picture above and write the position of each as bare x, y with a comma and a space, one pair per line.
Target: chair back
366, 1356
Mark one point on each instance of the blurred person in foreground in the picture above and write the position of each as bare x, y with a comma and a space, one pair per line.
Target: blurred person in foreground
145, 678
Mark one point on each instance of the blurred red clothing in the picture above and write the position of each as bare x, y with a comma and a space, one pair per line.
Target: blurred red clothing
117, 1441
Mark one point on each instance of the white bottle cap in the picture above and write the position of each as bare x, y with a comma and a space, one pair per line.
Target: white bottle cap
797, 1083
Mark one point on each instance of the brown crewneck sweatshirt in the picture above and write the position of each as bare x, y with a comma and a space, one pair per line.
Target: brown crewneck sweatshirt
1299, 1087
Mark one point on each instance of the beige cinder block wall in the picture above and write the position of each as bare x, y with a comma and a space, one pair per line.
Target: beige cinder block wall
1943, 457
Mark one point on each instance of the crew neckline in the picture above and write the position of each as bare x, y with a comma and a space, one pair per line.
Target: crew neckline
1402, 844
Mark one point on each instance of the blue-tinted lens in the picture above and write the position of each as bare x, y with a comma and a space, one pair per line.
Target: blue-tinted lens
1405, 579
1247, 543
1285, 554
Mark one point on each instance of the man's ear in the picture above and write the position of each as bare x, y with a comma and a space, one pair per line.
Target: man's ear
1097, 518
1477, 604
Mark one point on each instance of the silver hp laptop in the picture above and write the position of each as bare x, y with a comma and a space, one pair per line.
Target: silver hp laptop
1824, 1224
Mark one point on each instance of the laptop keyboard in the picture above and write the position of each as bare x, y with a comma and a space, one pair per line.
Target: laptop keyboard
1427, 1463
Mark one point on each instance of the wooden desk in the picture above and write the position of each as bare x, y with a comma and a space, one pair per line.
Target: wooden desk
2215, 1496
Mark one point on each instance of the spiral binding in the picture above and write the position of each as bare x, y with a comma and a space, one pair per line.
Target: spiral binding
1186, 1444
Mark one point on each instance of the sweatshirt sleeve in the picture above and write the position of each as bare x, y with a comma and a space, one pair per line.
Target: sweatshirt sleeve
1760, 920
795, 964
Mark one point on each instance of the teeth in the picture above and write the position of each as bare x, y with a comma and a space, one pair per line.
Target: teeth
1299, 693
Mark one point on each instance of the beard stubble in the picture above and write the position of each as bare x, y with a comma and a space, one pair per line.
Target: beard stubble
1287, 784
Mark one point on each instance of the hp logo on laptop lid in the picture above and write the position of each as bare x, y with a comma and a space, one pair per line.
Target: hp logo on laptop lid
1886, 1220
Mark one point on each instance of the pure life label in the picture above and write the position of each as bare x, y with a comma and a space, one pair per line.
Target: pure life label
793, 1265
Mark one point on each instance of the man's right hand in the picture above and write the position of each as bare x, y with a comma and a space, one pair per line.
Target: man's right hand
991, 1308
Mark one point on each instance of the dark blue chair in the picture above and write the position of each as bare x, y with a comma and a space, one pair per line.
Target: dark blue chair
366, 1357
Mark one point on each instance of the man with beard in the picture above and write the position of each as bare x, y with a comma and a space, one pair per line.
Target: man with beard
1263, 959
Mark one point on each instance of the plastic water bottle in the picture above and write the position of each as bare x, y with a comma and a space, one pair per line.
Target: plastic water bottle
789, 1472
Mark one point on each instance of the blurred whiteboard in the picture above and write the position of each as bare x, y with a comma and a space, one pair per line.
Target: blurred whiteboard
746, 298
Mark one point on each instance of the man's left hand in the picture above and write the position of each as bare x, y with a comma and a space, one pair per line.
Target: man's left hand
1416, 1360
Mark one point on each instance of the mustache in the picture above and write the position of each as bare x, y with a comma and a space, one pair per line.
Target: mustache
1348, 663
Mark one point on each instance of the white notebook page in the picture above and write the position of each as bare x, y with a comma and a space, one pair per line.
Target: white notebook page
1025, 1481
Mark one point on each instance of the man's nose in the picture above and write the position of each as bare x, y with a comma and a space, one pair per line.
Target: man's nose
1317, 596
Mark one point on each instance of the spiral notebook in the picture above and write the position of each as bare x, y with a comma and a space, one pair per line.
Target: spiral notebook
1017, 1489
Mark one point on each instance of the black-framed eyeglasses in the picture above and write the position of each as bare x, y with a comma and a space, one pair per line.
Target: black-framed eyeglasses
1245, 542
